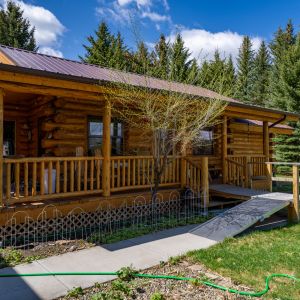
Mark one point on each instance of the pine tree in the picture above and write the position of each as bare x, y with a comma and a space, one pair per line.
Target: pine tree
245, 62
161, 58
280, 45
229, 78
118, 53
99, 51
261, 76
15, 30
179, 60
193, 73
141, 62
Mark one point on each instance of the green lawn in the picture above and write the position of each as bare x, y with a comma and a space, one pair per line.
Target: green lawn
249, 259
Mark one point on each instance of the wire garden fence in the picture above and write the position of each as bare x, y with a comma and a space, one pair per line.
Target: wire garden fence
105, 224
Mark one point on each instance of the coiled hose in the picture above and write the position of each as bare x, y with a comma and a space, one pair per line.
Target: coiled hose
151, 276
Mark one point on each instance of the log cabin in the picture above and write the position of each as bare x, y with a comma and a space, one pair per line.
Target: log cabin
61, 145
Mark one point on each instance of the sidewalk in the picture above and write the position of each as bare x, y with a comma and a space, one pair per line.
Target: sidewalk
141, 252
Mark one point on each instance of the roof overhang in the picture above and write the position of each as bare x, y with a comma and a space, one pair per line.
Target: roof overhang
25, 80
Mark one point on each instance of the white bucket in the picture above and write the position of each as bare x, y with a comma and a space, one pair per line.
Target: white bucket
46, 188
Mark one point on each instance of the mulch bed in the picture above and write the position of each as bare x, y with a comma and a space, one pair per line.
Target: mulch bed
144, 289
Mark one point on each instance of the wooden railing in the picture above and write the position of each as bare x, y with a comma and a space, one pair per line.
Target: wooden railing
35, 179
242, 169
50, 177
132, 172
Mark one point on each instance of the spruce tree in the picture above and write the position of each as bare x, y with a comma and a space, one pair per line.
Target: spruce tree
161, 58
193, 73
15, 30
261, 76
280, 45
179, 60
141, 62
229, 78
118, 54
98, 52
245, 61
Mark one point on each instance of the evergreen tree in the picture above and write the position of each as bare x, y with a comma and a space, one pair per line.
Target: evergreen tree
229, 78
15, 30
141, 62
280, 45
245, 60
118, 53
193, 73
161, 58
261, 76
99, 51
179, 60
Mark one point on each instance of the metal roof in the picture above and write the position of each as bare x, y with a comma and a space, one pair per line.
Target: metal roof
42, 62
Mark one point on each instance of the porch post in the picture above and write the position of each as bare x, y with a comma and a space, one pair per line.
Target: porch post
224, 150
106, 150
204, 181
293, 210
183, 174
266, 145
1, 146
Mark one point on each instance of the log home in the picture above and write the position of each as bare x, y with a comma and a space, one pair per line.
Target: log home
62, 146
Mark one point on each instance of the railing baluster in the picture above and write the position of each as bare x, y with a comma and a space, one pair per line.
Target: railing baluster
57, 183
26, 179
78, 175
98, 174
133, 172
85, 179
34, 170
42, 177
72, 176
92, 164
65, 176
123, 173
50, 177
8, 181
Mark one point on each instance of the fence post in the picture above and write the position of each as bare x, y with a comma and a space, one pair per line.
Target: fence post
224, 150
106, 149
293, 212
204, 181
269, 176
183, 171
1, 146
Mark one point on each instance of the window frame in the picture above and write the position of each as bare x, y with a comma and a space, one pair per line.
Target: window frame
211, 146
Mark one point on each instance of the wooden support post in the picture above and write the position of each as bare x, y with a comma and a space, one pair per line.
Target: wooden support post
269, 176
183, 175
1, 146
293, 212
247, 172
266, 140
224, 150
205, 181
106, 150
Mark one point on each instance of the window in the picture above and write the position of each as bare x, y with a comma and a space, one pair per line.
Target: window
206, 145
9, 129
95, 135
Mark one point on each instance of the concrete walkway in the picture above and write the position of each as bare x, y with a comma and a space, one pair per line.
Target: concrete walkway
142, 252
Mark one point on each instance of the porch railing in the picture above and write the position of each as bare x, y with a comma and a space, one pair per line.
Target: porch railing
242, 170
49, 177
34, 179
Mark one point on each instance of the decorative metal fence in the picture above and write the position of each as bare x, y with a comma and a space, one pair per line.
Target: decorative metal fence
100, 225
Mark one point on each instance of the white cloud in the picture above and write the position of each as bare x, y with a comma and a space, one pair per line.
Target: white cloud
203, 44
50, 51
155, 17
48, 29
126, 11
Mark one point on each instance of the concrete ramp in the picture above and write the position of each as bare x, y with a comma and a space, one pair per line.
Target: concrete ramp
243, 216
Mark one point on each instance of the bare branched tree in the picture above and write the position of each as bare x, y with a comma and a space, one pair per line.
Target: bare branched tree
173, 118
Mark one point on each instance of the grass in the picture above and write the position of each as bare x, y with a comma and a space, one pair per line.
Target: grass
249, 259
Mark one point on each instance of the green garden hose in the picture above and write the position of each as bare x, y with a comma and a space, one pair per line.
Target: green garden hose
151, 276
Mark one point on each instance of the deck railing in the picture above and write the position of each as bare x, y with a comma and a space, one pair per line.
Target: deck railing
49, 177
241, 169
35, 179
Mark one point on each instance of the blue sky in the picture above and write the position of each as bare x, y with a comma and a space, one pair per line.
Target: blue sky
63, 25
